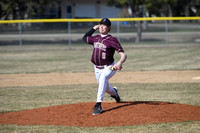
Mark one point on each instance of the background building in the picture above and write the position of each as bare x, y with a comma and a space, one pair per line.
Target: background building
88, 9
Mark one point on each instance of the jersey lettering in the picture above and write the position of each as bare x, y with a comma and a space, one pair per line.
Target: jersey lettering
100, 46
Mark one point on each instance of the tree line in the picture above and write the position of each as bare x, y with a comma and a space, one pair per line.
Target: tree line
24, 9
167, 8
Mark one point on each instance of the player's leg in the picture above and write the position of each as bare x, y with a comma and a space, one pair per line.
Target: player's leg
102, 76
105, 75
110, 90
97, 107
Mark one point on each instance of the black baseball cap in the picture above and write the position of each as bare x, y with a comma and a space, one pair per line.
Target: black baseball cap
105, 21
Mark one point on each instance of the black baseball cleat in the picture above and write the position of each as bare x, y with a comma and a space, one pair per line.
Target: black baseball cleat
97, 110
116, 97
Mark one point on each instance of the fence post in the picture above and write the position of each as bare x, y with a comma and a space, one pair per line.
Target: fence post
166, 33
69, 34
118, 31
20, 35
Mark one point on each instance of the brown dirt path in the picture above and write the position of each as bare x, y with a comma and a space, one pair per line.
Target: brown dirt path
82, 78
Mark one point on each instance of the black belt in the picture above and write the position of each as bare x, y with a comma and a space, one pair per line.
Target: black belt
100, 67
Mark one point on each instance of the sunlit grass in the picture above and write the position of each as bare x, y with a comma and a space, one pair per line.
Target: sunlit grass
77, 59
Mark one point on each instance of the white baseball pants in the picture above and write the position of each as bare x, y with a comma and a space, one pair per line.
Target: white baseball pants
102, 76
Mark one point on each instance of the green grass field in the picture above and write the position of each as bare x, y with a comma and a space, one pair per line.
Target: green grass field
59, 58
47, 59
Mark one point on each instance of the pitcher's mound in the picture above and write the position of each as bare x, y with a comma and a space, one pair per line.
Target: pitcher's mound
114, 114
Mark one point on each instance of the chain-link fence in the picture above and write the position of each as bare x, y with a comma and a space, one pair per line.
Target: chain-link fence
154, 32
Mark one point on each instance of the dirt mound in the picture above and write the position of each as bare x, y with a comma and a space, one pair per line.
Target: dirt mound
114, 114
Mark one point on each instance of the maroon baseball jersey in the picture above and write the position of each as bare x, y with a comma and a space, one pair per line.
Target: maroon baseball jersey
104, 49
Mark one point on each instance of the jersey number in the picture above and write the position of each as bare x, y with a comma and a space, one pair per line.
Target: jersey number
103, 55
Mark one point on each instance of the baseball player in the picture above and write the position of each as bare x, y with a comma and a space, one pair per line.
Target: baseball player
104, 47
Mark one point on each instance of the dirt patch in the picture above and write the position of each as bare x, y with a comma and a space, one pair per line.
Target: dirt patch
114, 114
82, 78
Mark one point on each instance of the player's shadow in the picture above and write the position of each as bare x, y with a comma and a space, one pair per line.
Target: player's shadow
131, 103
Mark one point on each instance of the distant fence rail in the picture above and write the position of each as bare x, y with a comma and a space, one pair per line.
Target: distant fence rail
97, 20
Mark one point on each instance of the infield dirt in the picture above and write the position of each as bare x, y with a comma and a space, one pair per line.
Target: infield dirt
89, 78
114, 114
